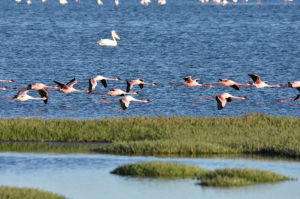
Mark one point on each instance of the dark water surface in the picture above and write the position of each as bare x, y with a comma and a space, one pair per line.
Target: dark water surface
47, 41
87, 176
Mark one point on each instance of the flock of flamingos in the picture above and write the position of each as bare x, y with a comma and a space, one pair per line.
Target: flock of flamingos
125, 99
163, 2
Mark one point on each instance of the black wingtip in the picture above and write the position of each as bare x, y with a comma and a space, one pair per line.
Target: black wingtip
298, 96
236, 87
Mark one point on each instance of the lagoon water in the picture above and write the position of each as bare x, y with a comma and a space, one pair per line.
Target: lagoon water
87, 176
47, 41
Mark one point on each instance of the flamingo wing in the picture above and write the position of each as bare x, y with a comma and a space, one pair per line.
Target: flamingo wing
129, 86
124, 104
255, 78
187, 78
92, 85
72, 83
60, 84
221, 102
104, 82
22, 92
229, 99
236, 87
44, 93
141, 86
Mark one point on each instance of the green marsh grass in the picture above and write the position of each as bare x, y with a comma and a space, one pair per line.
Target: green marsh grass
240, 177
160, 169
220, 177
26, 193
252, 133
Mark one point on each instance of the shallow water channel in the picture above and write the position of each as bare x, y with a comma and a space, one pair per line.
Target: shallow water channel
84, 175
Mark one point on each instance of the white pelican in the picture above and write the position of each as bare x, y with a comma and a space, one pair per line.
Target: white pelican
234, 1
163, 2
108, 42
43, 1
99, 2
117, 2
29, 2
63, 1
18, 1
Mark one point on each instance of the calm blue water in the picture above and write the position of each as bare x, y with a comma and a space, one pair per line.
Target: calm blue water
87, 176
43, 42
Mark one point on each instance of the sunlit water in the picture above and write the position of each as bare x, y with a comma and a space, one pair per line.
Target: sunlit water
88, 176
47, 41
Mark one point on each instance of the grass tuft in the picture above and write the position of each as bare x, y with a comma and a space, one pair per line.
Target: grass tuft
160, 169
240, 177
26, 193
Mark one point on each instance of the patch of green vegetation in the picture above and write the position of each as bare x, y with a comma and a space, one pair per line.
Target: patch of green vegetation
220, 177
252, 134
160, 169
240, 177
47, 148
26, 193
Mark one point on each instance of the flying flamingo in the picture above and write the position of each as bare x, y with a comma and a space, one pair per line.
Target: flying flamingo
226, 82
4, 88
114, 92
124, 101
68, 88
11, 80
260, 84
93, 82
223, 98
36, 86
22, 96
139, 82
189, 82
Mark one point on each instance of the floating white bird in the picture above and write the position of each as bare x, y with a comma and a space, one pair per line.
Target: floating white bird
43, 1
108, 42
99, 2
117, 2
63, 1
29, 2
18, 1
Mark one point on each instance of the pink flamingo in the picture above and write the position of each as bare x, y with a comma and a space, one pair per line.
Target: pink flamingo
223, 98
114, 92
124, 101
36, 86
68, 88
260, 84
93, 82
4, 88
11, 80
226, 82
189, 82
22, 96
139, 82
